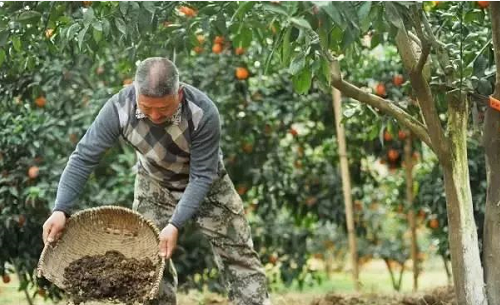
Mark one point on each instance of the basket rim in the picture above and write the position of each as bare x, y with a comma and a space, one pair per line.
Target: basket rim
82, 213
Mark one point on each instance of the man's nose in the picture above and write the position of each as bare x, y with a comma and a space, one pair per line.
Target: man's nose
155, 115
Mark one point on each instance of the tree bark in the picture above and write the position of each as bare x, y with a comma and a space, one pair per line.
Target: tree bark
491, 239
464, 249
408, 149
346, 186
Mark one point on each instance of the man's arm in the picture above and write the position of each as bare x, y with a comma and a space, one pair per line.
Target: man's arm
203, 168
101, 135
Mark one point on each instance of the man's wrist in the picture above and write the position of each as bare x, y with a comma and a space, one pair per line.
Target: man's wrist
66, 214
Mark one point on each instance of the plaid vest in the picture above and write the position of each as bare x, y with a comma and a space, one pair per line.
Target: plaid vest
163, 150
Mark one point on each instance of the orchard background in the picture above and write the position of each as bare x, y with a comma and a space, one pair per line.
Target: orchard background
270, 68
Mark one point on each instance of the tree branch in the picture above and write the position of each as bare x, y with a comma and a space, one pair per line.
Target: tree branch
384, 105
495, 29
424, 41
424, 95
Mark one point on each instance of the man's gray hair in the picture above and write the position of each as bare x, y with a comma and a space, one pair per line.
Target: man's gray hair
156, 77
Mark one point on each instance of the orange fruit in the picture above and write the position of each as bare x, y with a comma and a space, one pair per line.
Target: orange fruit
387, 136
49, 33
434, 223
198, 49
127, 81
219, 39
241, 73
242, 190
247, 147
33, 172
187, 11
393, 154
87, 3
21, 220
398, 80
293, 132
380, 90
239, 51
6, 278
401, 135
311, 201
483, 4
40, 101
217, 48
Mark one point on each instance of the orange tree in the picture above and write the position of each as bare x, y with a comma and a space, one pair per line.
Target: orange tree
59, 64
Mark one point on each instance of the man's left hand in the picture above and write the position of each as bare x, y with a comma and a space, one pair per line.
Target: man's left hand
168, 241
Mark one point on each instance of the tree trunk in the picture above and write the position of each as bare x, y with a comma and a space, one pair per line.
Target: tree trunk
464, 249
491, 239
411, 214
346, 186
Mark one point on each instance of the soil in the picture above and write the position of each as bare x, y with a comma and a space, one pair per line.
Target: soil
438, 296
111, 276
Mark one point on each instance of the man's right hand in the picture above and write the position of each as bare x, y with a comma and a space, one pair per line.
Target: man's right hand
53, 226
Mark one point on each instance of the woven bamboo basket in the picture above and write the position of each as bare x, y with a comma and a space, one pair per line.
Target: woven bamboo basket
95, 231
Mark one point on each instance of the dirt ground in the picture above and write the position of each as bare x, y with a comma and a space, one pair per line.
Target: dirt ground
438, 296
109, 276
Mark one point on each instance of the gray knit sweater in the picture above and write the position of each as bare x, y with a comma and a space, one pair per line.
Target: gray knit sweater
204, 158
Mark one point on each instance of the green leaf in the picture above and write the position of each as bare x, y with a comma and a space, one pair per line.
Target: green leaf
4, 35
274, 8
88, 16
286, 47
325, 69
331, 11
97, 35
480, 65
302, 81
393, 15
120, 25
16, 42
297, 64
29, 16
244, 37
149, 6
2, 56
106, 26
123, 7
301, 23
242, 9
81, 37
364, 10
73, 29
97, 25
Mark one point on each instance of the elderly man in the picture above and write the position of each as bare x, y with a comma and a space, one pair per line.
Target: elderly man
175, 130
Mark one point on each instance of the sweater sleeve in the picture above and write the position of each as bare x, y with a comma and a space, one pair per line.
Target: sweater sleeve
101, 135
203, 168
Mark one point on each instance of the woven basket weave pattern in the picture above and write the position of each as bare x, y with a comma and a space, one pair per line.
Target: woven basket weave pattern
98, 230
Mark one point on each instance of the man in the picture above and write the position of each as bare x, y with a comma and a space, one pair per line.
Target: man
175, 130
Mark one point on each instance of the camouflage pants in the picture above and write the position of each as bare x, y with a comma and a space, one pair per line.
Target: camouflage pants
221, 219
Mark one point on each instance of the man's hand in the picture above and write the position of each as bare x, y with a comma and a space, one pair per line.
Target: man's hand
168, 241
53, 226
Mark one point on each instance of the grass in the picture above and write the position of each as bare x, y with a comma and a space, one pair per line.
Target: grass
374, 277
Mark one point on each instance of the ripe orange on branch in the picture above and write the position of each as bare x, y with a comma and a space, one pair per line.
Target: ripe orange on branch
217, 48
241, 73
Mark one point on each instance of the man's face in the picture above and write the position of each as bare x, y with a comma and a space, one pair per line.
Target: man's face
159, 109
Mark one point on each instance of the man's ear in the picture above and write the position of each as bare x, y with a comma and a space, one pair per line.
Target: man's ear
180, 93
